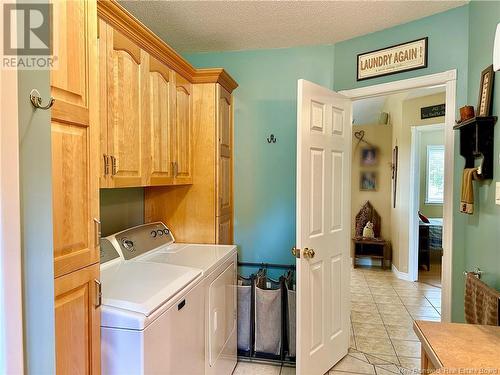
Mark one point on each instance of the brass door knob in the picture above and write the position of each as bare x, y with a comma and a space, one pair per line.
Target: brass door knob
308, 253
295, 252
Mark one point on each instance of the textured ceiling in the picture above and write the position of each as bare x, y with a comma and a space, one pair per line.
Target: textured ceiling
194, 26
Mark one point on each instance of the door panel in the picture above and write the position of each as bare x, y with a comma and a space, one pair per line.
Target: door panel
161, 121
224, 230
323, 185
183, 131
77, 322
75, 136
105, 162
125, 105
224, 152
69, 81
72, 190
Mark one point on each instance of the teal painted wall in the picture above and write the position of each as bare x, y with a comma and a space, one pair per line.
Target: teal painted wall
448, 34
265, 103
482, 236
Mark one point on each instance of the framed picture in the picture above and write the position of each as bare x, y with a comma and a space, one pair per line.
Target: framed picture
485, 90
368, 181
369, 156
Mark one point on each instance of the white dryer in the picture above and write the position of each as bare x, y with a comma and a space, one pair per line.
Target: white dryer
168, 308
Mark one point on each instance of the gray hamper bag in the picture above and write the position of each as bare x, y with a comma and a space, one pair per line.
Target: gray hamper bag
244, 314
291, 326
268, 318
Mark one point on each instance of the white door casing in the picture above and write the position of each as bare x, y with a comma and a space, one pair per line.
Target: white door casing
323, 224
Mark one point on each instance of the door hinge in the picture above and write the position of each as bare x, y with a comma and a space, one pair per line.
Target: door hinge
98, 293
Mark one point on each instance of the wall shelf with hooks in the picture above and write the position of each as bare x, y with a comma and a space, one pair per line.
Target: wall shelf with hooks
476, 141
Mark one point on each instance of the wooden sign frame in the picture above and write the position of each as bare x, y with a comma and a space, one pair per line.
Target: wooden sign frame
395, 70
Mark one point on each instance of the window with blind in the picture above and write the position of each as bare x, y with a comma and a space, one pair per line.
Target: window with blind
435, 174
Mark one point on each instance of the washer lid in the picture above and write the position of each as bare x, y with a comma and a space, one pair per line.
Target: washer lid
143, 287
205, 257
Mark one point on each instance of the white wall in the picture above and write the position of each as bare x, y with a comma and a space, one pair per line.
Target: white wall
11, 333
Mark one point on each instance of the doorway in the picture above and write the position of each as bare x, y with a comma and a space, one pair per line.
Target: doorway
426, 198
448, 81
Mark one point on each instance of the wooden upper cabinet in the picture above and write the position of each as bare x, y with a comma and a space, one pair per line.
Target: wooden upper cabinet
183, 163
162, 117
77, 322
126, 97
75, 138
224, 117
69, 80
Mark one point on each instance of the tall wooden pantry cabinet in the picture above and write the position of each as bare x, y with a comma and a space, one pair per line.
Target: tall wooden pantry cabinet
75, 184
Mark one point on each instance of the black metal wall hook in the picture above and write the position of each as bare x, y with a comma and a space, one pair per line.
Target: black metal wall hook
271, 139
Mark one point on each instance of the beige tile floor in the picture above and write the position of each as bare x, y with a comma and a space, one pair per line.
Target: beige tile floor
382, 337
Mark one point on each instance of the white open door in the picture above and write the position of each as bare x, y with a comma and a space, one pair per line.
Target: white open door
323, 227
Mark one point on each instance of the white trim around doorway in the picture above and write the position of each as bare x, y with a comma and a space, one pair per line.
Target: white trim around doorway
448, 80
11, 313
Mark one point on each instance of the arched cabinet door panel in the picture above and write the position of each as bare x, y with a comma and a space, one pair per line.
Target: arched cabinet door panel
183, 164
125, 106
162, 118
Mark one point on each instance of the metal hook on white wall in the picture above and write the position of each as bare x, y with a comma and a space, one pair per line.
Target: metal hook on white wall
36, 100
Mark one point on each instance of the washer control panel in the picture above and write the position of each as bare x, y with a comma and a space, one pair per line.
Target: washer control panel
143, 238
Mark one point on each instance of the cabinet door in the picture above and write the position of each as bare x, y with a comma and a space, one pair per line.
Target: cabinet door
75, 137
127, 90
183, 132
74, 46
224, 230
161, 135
77, 322
224, 153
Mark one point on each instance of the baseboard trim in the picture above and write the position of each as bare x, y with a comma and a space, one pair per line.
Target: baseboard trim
399, 274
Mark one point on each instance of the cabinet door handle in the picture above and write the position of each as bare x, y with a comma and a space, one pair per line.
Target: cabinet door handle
113, 165
98, 293
106, 164
176, 169
97, 231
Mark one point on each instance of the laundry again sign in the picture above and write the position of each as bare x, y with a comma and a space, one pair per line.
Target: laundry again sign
400, 58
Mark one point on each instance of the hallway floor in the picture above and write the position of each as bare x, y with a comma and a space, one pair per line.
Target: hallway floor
382, 337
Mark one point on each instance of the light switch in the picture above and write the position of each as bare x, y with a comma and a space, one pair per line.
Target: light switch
497, 193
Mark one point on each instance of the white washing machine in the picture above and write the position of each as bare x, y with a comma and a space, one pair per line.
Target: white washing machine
193, 331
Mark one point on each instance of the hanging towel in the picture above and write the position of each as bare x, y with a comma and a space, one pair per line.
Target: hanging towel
467, 199
481, 302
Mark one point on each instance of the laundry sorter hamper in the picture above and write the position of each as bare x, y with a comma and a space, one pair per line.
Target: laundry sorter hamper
290, 315
245, 313
268, 317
